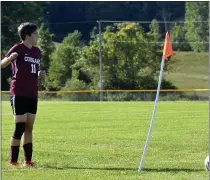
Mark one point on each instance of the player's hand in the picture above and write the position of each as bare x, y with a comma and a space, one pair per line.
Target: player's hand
42, 73
13, 56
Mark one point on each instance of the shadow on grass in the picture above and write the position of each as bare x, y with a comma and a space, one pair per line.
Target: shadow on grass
173, 170
126, 169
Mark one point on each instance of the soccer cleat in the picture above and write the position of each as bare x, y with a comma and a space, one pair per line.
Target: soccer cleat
13, 164
28, 164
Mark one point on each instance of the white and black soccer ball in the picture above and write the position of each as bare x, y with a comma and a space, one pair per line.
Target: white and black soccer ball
207, 163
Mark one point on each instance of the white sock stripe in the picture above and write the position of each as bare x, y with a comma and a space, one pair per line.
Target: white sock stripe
13, 104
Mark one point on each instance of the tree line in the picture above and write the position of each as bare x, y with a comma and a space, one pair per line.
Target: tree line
130, 61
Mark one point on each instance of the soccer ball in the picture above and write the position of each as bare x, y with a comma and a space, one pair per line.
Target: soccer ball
207, 163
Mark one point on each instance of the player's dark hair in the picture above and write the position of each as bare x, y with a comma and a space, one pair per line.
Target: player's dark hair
25, 29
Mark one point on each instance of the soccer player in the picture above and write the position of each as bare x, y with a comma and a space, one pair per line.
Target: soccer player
25, 60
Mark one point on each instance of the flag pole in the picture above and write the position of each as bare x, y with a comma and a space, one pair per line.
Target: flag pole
167, 52
153, 115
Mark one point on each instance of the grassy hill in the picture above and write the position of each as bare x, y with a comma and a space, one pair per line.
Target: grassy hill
189, 71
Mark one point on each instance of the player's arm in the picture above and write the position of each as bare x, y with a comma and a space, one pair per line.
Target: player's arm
7, 60
41, 73
41, 77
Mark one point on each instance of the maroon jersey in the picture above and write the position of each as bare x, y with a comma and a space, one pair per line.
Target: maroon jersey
25, 70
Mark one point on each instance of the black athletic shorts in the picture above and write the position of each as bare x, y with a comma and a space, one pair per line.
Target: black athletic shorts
22, 105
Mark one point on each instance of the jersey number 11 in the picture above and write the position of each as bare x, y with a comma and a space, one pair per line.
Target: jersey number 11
33, 68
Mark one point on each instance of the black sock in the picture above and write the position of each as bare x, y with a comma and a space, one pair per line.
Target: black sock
14, 152
28, 148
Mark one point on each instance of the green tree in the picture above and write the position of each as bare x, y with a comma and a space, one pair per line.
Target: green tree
45, 43
155, 30
197, 32
13, 14
128, 58
63, 59
178, 38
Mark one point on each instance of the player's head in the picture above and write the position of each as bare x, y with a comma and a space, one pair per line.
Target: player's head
28, 32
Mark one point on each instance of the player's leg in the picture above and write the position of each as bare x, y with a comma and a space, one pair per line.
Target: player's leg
20, 118
28, 134
28, 139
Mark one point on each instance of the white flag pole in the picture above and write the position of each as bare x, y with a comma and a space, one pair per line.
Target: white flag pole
153, 115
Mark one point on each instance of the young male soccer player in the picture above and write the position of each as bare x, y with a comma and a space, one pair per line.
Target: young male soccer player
25, 60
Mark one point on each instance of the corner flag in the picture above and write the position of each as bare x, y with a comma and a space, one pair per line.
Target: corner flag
167, 52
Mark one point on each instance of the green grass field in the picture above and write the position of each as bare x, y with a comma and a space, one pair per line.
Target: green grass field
92, 140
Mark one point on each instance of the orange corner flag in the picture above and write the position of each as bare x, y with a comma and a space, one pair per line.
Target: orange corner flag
167, 51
